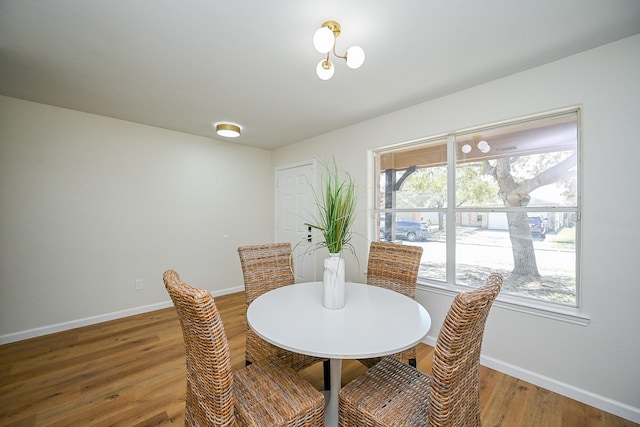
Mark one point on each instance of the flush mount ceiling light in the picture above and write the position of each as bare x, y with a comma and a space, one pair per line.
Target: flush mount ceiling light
228, 130
324, 41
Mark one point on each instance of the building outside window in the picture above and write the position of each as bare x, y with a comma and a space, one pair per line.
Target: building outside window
501, 198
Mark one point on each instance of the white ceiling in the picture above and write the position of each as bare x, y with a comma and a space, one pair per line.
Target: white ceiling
184, 65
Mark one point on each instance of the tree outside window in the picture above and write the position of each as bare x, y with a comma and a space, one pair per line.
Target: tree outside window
501, 198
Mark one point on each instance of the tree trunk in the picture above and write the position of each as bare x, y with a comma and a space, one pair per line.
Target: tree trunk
524, 257
513, 195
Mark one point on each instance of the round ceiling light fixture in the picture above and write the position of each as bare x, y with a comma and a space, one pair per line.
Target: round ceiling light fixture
228, 130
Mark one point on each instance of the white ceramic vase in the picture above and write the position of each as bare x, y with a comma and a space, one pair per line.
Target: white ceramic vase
333, 282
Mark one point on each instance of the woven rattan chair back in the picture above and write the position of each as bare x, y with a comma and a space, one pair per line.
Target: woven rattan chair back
267, 393
210, 399
393, 394
264, 268
456, 360
394, 267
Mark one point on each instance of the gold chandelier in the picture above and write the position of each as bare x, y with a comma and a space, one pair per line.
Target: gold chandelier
324, 41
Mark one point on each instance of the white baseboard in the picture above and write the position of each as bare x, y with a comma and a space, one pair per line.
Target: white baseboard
227, 291
78, 323
603, 403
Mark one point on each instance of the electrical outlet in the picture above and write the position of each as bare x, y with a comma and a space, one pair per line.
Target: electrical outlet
139, 284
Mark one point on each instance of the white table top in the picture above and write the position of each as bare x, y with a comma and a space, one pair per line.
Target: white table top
374, 322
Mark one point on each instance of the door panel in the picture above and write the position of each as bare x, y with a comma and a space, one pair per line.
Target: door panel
295, 206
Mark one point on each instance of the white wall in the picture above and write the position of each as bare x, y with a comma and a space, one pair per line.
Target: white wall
598, 363
89, 204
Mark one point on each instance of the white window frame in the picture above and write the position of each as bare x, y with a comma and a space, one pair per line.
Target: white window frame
532, 306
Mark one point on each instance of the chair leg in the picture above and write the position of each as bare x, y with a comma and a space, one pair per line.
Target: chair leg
412, 362
326, 368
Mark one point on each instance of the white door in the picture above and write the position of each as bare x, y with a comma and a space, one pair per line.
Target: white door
295, 206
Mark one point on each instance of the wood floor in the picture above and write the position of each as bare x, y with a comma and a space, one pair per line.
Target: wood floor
131, 372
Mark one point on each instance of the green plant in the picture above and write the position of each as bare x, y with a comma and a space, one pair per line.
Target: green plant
336, 209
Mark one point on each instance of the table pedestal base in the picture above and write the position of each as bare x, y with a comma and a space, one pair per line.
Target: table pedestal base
331, 396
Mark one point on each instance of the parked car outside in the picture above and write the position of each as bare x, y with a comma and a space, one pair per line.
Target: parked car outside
406, 230
538, 226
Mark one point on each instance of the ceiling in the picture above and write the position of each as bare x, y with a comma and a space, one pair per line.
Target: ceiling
185, 65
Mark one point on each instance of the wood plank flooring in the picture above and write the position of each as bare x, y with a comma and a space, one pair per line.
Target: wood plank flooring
131, 372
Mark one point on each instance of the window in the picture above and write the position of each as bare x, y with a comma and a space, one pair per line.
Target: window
501, 198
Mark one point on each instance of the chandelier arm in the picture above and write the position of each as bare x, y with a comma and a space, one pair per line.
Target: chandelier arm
336, 54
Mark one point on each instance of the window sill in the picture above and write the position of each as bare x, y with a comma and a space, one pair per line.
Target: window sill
521, 305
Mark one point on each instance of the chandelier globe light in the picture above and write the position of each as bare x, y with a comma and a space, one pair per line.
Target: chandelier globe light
324, 40
325, 69
355, 57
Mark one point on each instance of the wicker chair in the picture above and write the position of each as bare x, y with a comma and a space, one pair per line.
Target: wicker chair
394, 267
267, 393
395, 394
264, 268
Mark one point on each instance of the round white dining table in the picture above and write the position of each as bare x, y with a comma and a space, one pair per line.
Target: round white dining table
374, 322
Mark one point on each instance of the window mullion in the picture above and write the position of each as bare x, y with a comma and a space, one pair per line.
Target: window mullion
450, 213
